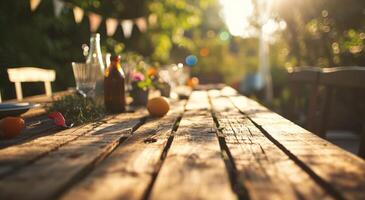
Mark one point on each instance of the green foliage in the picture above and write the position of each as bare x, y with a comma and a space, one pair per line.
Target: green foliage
40, 39
77, 109
174, 18
318, 33
145, 81
145, 84
324, 33
229, 59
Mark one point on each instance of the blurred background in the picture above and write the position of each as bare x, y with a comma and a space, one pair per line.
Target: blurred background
247, 44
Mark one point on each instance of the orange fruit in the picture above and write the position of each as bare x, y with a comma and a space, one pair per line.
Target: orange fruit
193, 82
158, 106
11, 127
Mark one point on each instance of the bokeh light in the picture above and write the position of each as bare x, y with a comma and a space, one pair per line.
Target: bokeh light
237, 14
191, 60
224, 36
204, 52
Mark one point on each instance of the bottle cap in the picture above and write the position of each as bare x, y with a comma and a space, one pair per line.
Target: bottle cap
95, 35
115, 58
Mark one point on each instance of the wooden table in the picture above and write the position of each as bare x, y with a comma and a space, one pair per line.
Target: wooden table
215, 145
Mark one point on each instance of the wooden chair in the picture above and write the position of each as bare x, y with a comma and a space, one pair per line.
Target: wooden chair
31, 74
341, 77
298, 77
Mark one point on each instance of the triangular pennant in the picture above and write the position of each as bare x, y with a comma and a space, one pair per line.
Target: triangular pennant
58, 6
141, 24
78, 14
111, 26
34, 4
127, 26
95, 21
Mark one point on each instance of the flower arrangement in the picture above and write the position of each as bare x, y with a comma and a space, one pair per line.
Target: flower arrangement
141, 81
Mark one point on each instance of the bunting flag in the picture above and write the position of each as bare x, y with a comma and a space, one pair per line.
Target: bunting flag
78, 14
127, 26
95, 21
141, 24
34, 4
111, 26
58, 6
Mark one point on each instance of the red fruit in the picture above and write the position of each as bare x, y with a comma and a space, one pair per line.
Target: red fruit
58, 118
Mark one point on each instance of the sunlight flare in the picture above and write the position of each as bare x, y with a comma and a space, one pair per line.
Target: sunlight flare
236, 14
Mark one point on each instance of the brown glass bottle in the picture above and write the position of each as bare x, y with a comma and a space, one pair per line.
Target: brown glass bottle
114, 88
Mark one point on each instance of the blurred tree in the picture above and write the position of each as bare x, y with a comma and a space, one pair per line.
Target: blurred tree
221, 57
169, 19
324, 33
40, 39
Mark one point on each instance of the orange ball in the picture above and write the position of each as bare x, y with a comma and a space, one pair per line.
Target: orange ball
158, 106
193, 82
11, 127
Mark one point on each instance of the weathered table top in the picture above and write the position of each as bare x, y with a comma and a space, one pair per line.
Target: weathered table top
215, 145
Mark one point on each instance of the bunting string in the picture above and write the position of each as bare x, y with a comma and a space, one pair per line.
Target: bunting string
96, 19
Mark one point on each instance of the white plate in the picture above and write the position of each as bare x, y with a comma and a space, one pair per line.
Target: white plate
15, 109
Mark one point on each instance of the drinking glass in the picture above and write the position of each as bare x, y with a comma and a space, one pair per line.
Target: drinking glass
86, 76
179, 74
128, 68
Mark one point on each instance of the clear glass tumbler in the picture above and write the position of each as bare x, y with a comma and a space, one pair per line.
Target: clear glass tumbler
86, 76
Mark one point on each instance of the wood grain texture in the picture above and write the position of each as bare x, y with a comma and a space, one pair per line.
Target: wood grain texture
198, 100
262, 167
48, 175
342, 172
17, 156
128, 171
272, 157
35, 127
193, 168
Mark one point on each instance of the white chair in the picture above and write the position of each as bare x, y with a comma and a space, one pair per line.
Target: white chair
31, 74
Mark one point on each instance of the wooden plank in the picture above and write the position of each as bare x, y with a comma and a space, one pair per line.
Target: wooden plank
51, 174
262, 167
128, 171
14, 157
342, 173
193, 168
35, 127
198, 100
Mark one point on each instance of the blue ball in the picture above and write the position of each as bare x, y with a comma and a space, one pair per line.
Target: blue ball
191, 60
